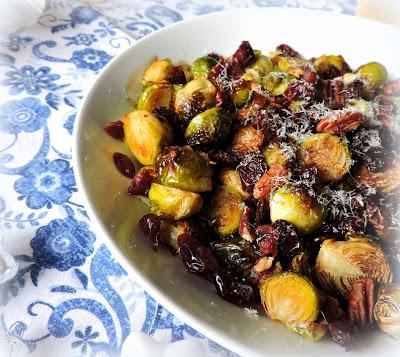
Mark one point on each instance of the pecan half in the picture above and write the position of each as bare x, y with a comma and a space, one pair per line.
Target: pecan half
392, 87
270, 180
340, 124
361, 302
385, 181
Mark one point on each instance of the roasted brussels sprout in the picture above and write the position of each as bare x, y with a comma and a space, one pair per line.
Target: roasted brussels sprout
275, 83
235, 254
231, 178
296, 207
194, 97
340, 263
331, 66
310, 331
261, 67
173, 203
224, 210
328, 153
158, 71
146, 135
372, 74
292, 65
171, 230
202, 66
241, 97
209, 127
154, 96
290, 298
247, 139
366, 109
277, 153
387, 310
181, 167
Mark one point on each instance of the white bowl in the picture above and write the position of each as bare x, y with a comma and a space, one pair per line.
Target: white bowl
114, 214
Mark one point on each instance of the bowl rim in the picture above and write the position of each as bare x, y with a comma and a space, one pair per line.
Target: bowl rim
215, 334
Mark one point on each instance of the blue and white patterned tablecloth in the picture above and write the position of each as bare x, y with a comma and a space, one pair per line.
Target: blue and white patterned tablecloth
70, 294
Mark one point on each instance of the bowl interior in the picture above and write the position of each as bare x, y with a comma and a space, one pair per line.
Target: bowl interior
115, 214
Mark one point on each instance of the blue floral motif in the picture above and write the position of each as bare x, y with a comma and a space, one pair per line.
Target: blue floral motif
46, 182
15, 42
81, 39
69, 124
90, 58
84, 339
26, 115
62, 244
83, 15
105, 29
30, 79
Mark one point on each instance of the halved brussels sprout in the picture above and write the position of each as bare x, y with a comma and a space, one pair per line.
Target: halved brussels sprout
146, 135
181, 167
171, 230
290, 298
262, 66
310, 331
241, 97
231, 178
292, 65
235, 254
328, 153
173, 203
158, 71
194, 97
275, 154
366, 108
154, 96
275, 83
224, 210
202, 66
209, 127
373, 74
387, 310
340, 263
331, 63
296, 207
247, 139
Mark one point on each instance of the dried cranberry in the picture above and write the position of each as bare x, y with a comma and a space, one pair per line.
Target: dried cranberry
223, 158
287, 50
331, 309
150, 225
266, 243
115, 129
124, 164
310, 75
140, 185
176, 76
290, 243
233, 290
268, 122
244, 55
261, 212
341, 332
251, 168
224, 100
299, 90
376, 159
195, 257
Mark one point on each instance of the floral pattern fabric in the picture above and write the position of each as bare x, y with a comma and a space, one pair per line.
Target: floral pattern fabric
69, 291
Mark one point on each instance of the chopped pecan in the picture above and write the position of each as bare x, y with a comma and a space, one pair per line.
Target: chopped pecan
392, 87
263, 264
246, 227
361, 302
386, 181
270, 180
386, 111
342, 123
